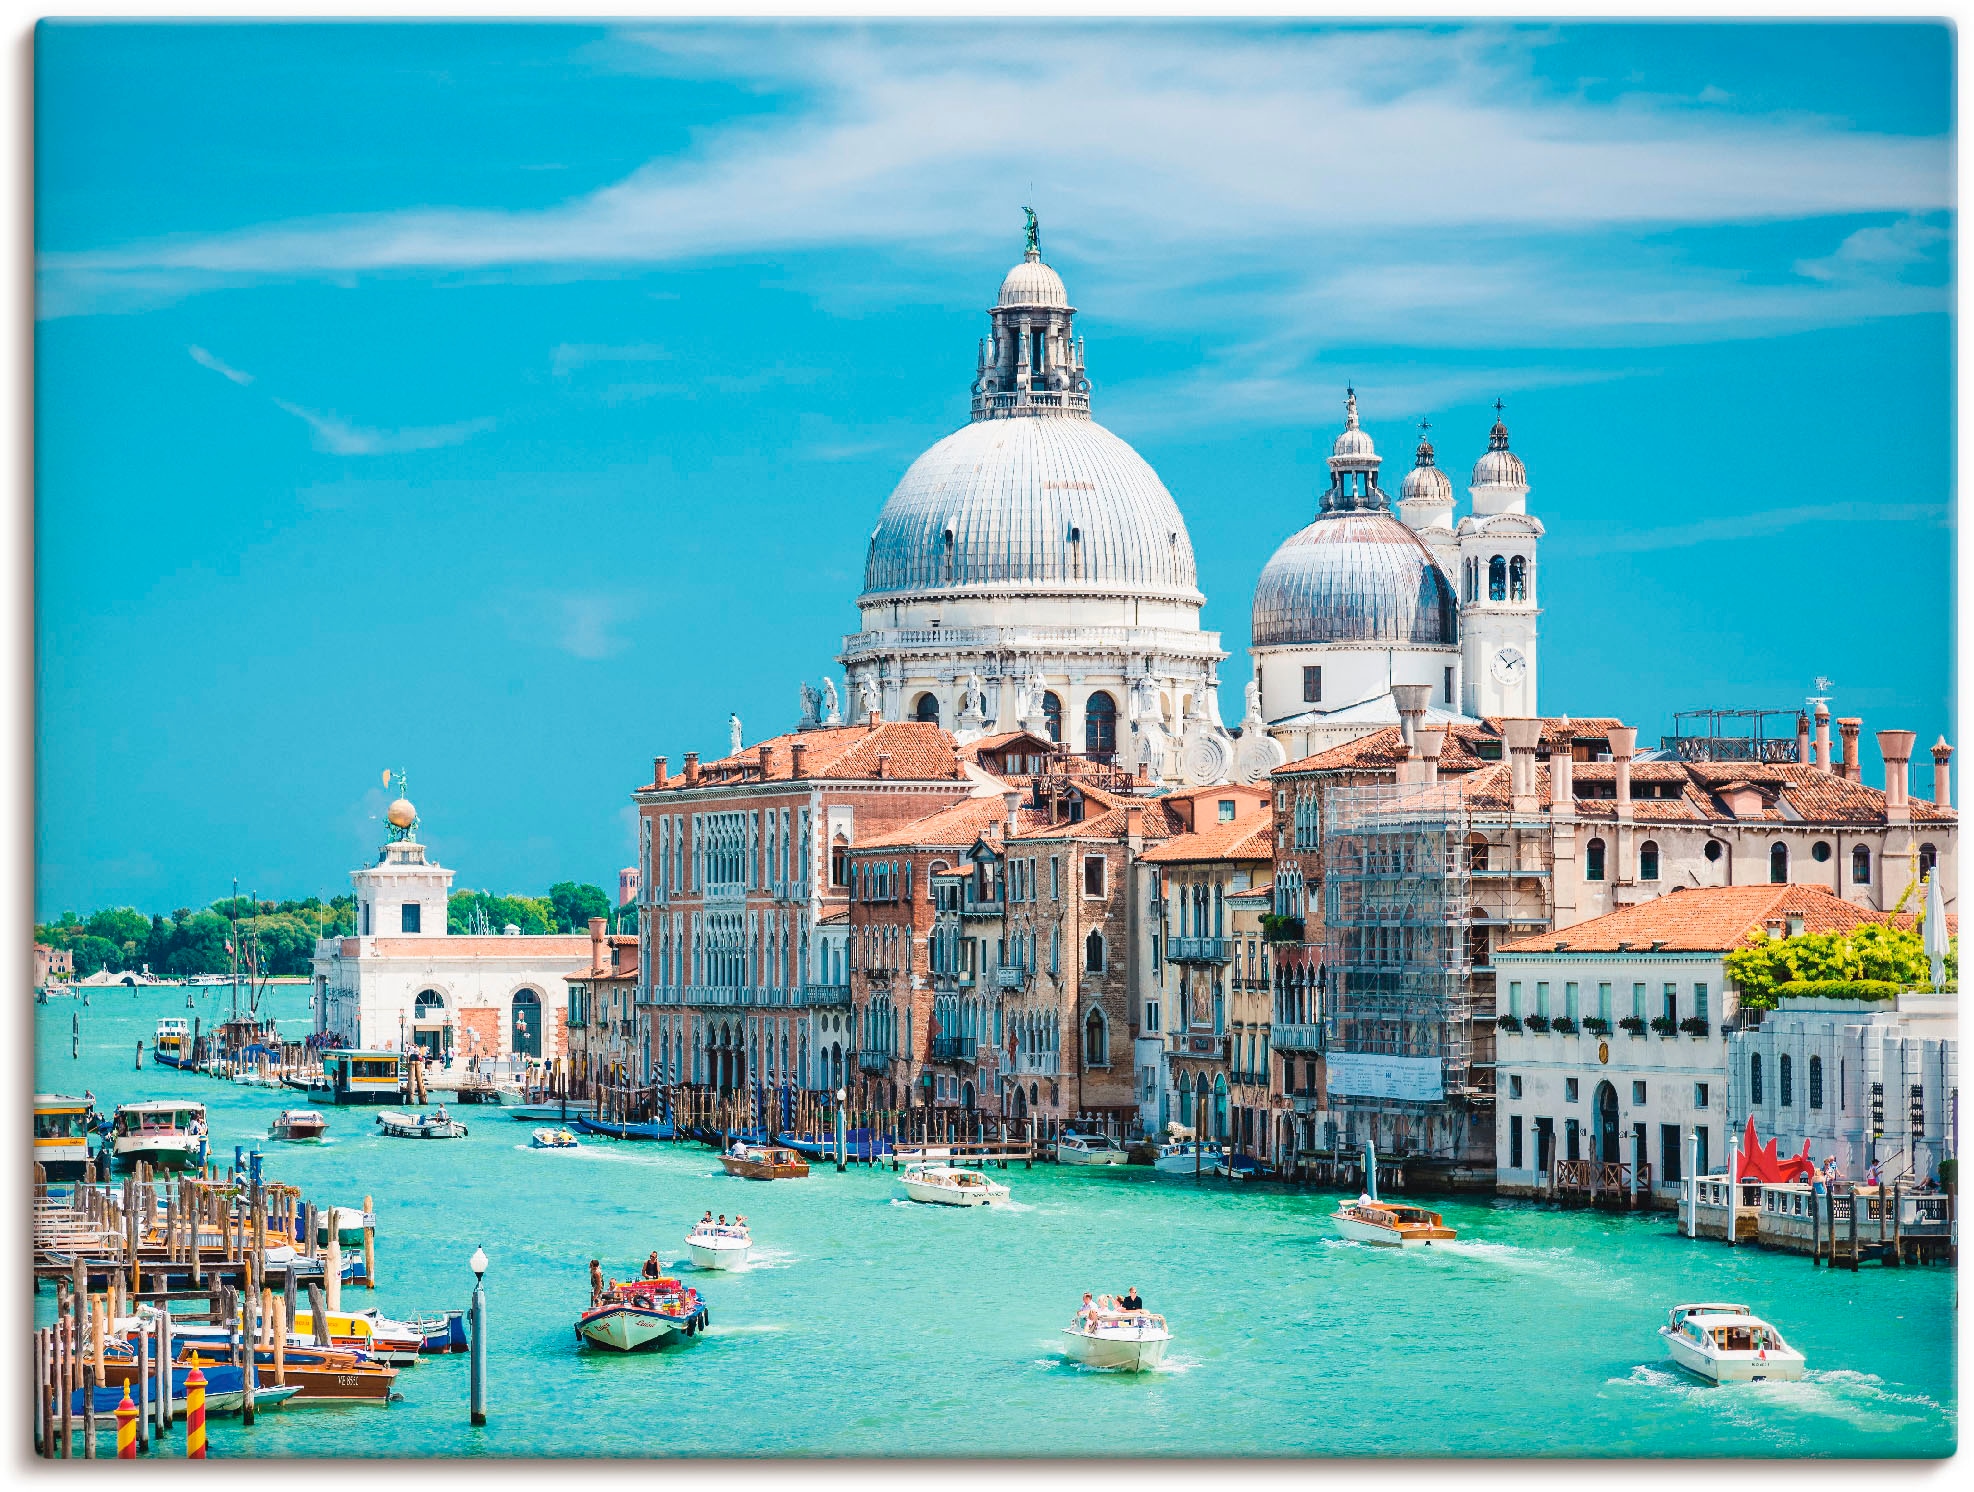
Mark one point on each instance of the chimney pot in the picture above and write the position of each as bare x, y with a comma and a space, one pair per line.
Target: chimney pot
1624, 743
1942, 774
1851, 727
596, 926
767, 760
1895, 746
1522, 735
691, 769
798, 759
1411, 700
1822, 756
1012, 798
1429, 741
1802, 740
884, 764
658, 771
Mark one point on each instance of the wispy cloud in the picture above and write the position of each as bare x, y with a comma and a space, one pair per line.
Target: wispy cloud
341, 438
1746, 526
206, 360
1184, 159
586, 626
566, 357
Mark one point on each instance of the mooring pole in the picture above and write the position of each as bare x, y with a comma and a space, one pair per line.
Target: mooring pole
479, 1346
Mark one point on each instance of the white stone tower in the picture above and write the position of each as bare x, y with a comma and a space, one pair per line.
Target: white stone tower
403, 895
1498, 610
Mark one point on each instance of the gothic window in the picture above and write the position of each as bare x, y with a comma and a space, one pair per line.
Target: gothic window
1518, 579
1096, 1041
1100, 726
1860, 866
1312, 686
927, 709
1052, 716
1593, 860
1497, 579
1093, 953
1785, 1081
1648, 861
1778, 862
1755, 1076
1816, 1082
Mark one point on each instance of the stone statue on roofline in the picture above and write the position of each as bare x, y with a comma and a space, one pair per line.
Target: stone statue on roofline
810, 702
832, 708
1144, 698
870, 698
733, 735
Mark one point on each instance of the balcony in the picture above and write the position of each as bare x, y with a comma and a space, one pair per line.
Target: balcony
827, 996
1197, 950
971, 907
1201, 1044
1296, 1038
1010, 976
953, 1048
877, 1062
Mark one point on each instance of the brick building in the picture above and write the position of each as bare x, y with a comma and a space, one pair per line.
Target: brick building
606, 1037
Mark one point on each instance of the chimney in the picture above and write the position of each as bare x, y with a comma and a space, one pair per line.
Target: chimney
1428, 741
767, 761
1562, 779
798, 759
658, 771
1522, 736
692, 769
596, 957
874, 719
884, 764
1012, 798
1850, 727
1822, 757
1411, 700
1802, 739
1942, 775
1624, 741
1896, 747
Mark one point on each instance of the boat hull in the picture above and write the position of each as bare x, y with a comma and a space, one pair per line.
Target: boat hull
178, 1153
725, 1254
1120, 1352
545, 1113
954, 1196
1733, 1367
655, 1129
1068, 1157
624, 1328
1358, 1231
1187, 1165
762, 1170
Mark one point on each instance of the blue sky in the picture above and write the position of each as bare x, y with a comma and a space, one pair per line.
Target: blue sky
510, 403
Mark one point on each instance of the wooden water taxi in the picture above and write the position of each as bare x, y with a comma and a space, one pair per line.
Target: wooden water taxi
1392, 1224
298, 1125
61, 1136
1728, 1344
166, 1134
763, 1163
319, 1375
642, 1313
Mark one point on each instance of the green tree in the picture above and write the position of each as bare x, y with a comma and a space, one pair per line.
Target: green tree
1870, 951
573, 905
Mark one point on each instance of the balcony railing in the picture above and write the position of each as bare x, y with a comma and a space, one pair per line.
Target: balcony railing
1296, 1038
972, 907
874, 1061
953, 1048
828, 996
1197, 950
1010, 976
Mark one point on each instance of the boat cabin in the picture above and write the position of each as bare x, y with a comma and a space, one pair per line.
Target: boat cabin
61, 1135
160, 1116
353, 1076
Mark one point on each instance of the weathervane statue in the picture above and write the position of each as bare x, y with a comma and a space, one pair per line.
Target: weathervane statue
1034, 232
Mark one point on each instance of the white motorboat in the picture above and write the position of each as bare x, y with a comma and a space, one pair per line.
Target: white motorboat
1120, 1341
1728, 1344
554, 1139
951, 1186
1189, 1157
718, 1246
1392, 1224
166, 1134
433, 1126
1088, 1150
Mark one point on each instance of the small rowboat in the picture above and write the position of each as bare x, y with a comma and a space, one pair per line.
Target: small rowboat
764, 1163
642, 1313
554, 1139
1120, 1342
420, 1126
715, 1247
298, 1124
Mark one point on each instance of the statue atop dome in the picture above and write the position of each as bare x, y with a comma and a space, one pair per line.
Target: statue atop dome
1034, 234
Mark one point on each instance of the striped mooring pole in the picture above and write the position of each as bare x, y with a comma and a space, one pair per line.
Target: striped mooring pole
195, 1415
126, 1426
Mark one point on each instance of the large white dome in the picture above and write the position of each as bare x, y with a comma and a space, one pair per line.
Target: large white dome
1025, 505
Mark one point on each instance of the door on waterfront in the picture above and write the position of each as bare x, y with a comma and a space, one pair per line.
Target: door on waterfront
1545, 1145
525, 1037
1605, 1103
430, 1030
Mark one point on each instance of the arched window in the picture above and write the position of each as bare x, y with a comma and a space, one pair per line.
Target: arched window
1052, 715
1715, 849
1928, 858
1476, 852
1648, 860
1860, 866
1096, 1041
1785, 1081
1497, 579
1778, 862
1093, 952
1518, 579
1755, 1076
947, 551
926, 709
428, 1003
1100, 726
527, 1023
1593, 860
1816, 1083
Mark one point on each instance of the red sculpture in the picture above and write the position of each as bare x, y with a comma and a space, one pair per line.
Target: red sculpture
1760, 1162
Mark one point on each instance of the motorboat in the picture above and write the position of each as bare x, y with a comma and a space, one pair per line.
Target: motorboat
445, 1332
171, 1044
297, 1125
407, 1126
1238, 1166
319, 1375
166, 1134
396, 1343
951, 1186
642, 1313
561, 1111
349, 1223
763, 1163
1088, 1150
1391, 1224
1728, 1344
554, 1139
719, 1245
1118, 1341
1188, 1158
226, 1392
352, 1076
61, 1136
627, 1129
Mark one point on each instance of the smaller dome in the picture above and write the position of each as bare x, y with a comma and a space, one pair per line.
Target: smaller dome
1425, 482
401, 814
1353, 442
1499, 467
1033, 283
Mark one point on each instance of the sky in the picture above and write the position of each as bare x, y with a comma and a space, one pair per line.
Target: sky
511, 403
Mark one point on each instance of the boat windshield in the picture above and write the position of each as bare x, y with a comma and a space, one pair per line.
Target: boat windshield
57, 1126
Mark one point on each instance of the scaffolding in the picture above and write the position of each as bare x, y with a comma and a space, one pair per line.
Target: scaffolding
1397, 903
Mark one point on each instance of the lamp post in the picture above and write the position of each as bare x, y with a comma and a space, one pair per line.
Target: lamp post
841, 1139
478, 1264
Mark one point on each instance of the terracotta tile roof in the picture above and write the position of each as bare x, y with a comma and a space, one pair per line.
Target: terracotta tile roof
1249, 838
956, 827
1708, 919
919, 752
1383, 749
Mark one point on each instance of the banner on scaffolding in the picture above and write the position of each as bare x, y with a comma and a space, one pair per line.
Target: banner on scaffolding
1363, 1075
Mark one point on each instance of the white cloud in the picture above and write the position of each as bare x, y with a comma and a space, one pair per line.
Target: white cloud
566, 357
206, 360
585, 626
1746, 526
341, 438
1875, 252
1397, 172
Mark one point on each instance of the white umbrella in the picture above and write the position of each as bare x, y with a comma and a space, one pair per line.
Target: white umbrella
1936, 929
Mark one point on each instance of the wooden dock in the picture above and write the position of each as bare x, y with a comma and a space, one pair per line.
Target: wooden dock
1842, 1227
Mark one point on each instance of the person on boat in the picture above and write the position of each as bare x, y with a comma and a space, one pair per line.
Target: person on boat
1131, 1301
740, 1222
440, 1115
1086, 1310
595, 1284
723, 1220
707, 1220
652, 1269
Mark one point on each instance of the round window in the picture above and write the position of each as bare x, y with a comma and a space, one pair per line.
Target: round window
1713, 849
1820, 852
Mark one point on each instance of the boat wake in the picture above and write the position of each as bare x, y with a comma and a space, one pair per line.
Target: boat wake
1861, 1400
747, 1329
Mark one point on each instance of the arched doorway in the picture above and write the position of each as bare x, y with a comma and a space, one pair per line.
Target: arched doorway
1220, 1108
1605, 1106
429, 1028
525, 1036
926, 709
966, 1096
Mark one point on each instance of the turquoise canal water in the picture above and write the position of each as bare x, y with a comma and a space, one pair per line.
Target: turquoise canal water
872, 1326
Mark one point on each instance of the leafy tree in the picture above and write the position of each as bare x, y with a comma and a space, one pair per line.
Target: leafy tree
532, 914
1870, 951
573, 905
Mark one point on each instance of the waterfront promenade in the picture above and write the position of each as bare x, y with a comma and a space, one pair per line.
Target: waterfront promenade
872, 1326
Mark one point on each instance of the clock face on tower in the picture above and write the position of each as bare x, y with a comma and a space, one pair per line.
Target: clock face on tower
1509, 666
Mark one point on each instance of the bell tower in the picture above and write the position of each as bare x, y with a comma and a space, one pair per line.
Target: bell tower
1498, 610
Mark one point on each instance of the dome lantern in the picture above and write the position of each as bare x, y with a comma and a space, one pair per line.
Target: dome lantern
1354, 463
1031, 363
